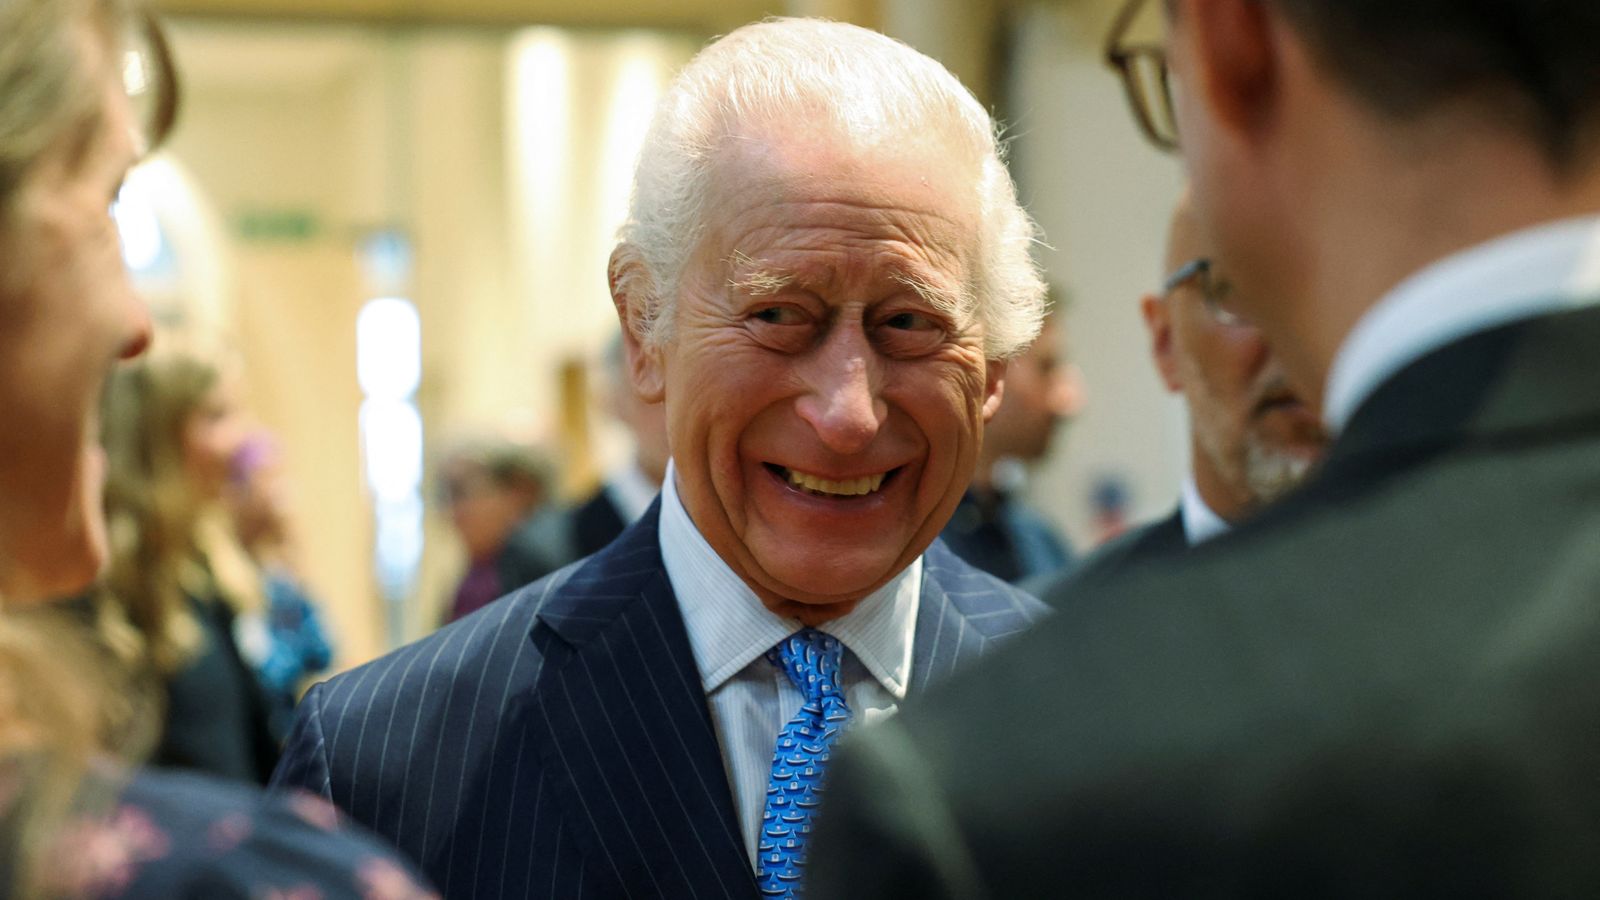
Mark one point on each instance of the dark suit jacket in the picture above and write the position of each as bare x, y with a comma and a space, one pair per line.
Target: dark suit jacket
595, 524
999, 534
218, 714
1382, 687
1141, 546
558, 743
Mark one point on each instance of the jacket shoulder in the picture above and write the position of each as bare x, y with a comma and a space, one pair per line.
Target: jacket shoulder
981, 597
451, 672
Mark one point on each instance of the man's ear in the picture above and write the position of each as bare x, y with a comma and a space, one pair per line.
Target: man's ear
994, 387
632, 290
1158, 321
1235, 61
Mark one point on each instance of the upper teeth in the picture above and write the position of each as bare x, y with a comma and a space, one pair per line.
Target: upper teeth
853, 487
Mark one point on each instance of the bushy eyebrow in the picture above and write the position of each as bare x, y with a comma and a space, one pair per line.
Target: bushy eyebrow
941, 299
758, 281
763, 281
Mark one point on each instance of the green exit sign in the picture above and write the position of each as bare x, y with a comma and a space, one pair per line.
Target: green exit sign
278, 226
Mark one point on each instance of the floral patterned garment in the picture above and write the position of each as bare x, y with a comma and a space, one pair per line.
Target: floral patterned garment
187, 837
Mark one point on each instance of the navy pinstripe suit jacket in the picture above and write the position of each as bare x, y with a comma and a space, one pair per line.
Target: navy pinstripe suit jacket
558, 744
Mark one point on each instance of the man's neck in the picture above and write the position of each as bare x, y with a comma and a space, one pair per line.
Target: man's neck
1379, 213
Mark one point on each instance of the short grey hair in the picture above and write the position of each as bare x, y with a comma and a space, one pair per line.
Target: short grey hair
865, 86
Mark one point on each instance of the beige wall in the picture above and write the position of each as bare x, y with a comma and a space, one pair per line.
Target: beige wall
253, 147
1103, 197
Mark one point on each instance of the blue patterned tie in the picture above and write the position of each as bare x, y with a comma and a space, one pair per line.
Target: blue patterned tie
811, 660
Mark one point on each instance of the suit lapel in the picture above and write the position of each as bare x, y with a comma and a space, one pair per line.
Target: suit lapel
961, 613
1509, 383
625, 735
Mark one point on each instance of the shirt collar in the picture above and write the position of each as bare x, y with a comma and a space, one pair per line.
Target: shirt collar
729, 627
1200, 523
1530, 272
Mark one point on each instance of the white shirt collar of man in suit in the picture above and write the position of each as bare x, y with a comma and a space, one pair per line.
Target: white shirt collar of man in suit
1200, 522
730, 631
1527, 273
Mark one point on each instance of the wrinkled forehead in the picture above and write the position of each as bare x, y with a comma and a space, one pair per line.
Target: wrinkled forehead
824, 177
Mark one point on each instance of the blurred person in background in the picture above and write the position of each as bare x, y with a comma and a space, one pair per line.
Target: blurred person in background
172, 425
822, 276
1252, 438
258, 501
75, 821
1383, 684
627, 491
994, 528
498, 494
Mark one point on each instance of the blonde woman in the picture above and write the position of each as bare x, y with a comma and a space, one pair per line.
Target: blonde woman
74, 822
171, 428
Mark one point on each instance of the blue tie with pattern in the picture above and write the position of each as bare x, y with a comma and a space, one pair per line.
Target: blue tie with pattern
811, 660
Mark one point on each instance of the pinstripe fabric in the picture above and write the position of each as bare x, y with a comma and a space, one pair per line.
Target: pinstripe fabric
500, 752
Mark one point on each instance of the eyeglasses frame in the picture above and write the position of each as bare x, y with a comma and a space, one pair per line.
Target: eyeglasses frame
1199, 270
1122, 58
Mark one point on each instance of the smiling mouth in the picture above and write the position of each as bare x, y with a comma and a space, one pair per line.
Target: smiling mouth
817, 486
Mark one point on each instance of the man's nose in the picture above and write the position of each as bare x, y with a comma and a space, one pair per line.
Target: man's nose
841, 402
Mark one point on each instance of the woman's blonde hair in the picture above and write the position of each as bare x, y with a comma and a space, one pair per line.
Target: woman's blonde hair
168, 542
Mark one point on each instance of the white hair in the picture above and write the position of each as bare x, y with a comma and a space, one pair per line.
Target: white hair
866, 87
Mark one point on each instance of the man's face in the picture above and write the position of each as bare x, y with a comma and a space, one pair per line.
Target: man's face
1042, 390
824, 411
1254, 431
67, 314
1241, 171
1253, 437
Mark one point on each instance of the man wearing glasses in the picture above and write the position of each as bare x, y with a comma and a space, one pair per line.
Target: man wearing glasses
1384, 685
1252, 438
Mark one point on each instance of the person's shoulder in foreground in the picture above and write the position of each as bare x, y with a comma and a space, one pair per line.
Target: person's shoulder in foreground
1310, 720
173, 836
1190, 759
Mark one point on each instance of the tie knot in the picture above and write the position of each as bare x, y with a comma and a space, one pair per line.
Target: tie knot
811, 660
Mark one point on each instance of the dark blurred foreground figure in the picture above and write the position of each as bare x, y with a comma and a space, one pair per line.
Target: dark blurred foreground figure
995, 528
1384, 686
1252, 437
74, 822
498, 495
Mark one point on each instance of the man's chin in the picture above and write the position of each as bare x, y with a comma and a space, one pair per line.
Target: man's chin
816, 588
1273, 470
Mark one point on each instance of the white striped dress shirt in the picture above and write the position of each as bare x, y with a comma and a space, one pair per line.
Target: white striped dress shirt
731, 630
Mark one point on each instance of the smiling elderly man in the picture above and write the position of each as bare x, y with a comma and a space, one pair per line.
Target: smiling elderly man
824, 266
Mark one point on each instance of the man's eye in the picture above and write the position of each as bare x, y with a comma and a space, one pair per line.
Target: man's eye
780, 315
910, 321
